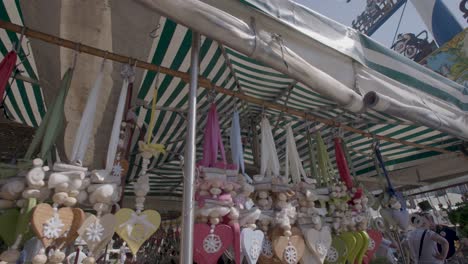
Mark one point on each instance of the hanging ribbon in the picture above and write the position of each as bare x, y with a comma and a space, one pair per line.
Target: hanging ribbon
269, 156
342, 164
237, 151
312, 157
154, 149
381, 164
52, 122
87, 120
325, 168
6, 68
126, 73
348, 159
153, 115
390, 188
293, 160
212, 141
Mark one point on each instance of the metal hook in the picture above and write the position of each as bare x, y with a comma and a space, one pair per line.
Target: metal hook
23, 56
18, 45
75, 55
153, 32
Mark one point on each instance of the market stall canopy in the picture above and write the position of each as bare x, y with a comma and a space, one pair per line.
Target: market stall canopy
276, 51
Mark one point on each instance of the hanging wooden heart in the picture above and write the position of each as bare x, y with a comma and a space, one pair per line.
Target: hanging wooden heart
251, 243
352, 243
364, 246
135, 228
337, 252
72, 233
96, 231
375, 239
309, 257
48, 225
288, 250
210, 244
9, 218
268, 256
318, 241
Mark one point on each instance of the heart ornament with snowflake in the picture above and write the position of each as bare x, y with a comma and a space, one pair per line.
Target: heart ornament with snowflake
375, 238
136, 228
209, 244
56, 226
288, 249
97, 232
318, 242
251, 244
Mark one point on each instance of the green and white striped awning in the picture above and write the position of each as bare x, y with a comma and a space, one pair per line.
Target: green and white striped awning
24, 102
234, 71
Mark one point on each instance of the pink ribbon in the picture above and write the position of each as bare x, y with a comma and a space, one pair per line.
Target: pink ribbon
213, 142
6, 68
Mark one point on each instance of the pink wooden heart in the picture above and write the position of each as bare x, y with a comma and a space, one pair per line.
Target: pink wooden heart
208, 247
374, 243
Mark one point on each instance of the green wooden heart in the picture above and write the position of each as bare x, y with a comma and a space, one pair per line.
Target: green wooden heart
8, 222
24, 219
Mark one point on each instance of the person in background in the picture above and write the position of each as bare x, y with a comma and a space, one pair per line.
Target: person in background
423, 242
450, 235
385, 250
462, 252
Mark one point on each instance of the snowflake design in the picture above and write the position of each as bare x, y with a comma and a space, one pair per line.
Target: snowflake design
212, 243
371, 244
332, 255
94, 232
255, 249
53, 227
117, 170
290, 255
320, 248
267, 248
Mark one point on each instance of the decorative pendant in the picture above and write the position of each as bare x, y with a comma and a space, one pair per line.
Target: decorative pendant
53, 227
212, 243
255, 249
267, 248
94, 232
290, 254
332, 255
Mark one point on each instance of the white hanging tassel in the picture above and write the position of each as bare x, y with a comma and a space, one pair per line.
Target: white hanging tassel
269, 156
87, 120
293, 161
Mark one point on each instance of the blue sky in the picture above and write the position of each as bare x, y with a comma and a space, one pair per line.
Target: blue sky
345, 13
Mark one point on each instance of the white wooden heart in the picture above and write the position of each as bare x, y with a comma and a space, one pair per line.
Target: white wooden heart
309, 257
318, 241
251, 244
96, 231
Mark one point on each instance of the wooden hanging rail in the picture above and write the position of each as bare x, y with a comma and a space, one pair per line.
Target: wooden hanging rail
203, 82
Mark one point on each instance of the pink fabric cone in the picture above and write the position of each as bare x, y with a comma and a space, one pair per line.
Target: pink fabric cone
6, 68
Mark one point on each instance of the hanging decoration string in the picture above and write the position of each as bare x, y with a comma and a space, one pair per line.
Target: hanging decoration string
269, 156
312, 157
237, 151
87, 120
153, 112
293, 160
51, 123
212, 141
126, 73
325, 167
153, 149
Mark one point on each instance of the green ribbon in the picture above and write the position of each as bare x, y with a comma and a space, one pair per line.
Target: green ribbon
325, 166
312, 158
52, 124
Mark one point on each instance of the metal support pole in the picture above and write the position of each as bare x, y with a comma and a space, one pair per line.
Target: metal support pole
188, 214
